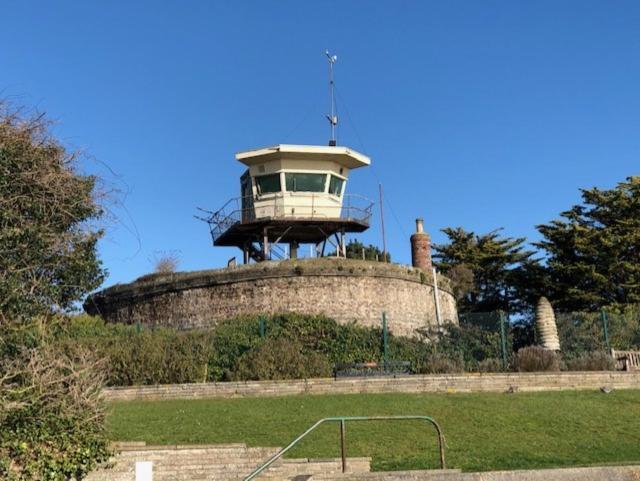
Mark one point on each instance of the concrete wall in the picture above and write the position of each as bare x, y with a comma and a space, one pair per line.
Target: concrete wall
345, 290
444, 383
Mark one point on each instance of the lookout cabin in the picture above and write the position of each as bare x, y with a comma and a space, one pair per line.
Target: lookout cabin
292, 194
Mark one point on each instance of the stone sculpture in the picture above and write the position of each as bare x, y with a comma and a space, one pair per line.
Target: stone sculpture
546, 328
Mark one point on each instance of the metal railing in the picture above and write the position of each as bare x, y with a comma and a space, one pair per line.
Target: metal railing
279, 206
343, 443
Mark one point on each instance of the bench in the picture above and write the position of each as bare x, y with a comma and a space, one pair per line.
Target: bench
626, 360
373, 368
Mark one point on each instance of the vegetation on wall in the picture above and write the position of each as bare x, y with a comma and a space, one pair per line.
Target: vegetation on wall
292, 346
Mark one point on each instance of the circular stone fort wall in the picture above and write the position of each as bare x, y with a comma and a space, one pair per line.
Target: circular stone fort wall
343, 289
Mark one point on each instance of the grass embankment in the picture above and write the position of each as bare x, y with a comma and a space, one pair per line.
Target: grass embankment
483, 431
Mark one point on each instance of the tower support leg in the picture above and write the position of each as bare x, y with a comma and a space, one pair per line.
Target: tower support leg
265, 244
245, 253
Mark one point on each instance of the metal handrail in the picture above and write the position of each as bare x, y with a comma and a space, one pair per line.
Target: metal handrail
352, 206
343, 449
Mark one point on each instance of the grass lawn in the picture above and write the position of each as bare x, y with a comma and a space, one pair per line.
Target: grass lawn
483, 431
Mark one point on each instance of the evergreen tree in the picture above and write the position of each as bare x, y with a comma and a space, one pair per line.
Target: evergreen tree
486, 269
593, 251
356, 248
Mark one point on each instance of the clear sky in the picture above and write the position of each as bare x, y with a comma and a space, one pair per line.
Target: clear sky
481, 114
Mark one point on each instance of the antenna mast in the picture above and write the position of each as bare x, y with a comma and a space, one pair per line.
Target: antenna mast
333, 118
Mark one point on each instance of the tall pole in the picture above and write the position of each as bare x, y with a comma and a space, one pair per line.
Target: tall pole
385, 340
384, 237
436, 297
503, 339
332, 118
605, 328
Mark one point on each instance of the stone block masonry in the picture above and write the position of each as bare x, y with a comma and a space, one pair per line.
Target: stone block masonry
343, 289
443, 383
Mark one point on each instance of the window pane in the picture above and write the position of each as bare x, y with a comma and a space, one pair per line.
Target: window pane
268, 184
335, 185
305, 182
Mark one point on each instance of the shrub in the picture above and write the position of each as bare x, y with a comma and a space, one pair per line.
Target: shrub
490, 364
592, 361
166, 262
51, 413
435, 362
281, 358
536, 359
470, 342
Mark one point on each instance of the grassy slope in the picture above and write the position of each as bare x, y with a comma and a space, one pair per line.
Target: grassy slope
483, 431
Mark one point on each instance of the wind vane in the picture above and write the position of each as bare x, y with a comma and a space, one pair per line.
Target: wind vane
333, 117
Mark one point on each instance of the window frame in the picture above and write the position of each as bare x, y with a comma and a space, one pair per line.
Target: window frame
259, 192
344, 182
294, 172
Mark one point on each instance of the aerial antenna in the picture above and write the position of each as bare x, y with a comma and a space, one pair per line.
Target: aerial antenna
333, 117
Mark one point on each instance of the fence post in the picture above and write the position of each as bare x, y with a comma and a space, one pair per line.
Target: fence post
503, 338
605, 328
262, 326
385, 341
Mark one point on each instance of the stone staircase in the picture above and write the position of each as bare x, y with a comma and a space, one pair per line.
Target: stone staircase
431, 475
219, 462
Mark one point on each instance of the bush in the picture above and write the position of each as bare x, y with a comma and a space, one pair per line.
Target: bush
473, 343
592, 361
277, 359
490, 364
435, 362
51, 411
536, 359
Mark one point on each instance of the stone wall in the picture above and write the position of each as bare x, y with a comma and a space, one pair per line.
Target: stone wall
442, 383
343, 289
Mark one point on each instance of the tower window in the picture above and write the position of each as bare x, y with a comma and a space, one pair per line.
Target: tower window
299, 182
335, 185
268, 184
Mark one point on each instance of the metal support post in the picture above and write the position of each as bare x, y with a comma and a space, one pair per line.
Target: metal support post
343, 446
605, 328
265, 244
385, 340
436, 295
503, 339
245, 253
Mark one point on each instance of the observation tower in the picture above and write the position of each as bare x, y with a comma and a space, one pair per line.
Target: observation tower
292, 195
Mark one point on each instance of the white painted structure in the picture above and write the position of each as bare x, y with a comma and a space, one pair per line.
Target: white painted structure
144, 470
296, 181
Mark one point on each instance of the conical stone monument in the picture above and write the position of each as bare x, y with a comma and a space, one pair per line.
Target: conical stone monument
546, 328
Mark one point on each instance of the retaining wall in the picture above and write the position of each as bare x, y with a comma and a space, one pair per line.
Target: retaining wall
343, 289
443, 383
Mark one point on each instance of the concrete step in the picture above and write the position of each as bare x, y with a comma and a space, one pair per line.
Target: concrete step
229, 462
595, 473
427, 475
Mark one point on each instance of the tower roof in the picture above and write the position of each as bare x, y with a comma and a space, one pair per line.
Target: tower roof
342, 155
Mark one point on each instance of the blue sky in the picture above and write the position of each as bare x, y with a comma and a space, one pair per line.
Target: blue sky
481, 114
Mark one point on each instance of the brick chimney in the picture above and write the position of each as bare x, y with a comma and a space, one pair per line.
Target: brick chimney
421, 248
